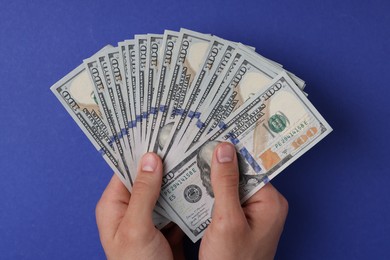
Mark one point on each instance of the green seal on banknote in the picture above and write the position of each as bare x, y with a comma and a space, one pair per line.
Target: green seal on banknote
277, 123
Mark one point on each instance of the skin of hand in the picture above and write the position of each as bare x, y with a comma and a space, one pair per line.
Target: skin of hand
125, 221
250, 231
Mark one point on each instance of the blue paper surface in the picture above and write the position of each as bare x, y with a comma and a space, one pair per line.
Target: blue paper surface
52, 177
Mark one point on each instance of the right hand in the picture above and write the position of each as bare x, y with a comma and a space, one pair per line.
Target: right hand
248, 232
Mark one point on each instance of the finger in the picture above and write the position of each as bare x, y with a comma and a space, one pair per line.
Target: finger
224, 180
111, 208
266, 207
268, 193
146, 190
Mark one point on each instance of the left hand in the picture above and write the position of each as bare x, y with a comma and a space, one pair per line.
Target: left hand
125, 221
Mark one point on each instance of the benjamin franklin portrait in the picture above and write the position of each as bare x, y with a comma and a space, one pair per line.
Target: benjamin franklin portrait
204, 158
163, 135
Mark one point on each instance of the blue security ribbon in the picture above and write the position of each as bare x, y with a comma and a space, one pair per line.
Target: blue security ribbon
248, 157
200, 124
193, 114
144, 115
101, 151
163, 108
197, 114
138, 118
232, 137
245, 153
178, 111
222, 125
153, 110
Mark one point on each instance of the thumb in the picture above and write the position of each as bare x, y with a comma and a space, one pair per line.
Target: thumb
224, 180
146, 190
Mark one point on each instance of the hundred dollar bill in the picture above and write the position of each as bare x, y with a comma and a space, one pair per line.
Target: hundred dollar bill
216, 68
140, 66
127, 62
271, 130
197, 128
248, 77
170, 44
106, 101
187, 61
75, 92
115, 99
200, 87
224, 66
160, 220
271, 64
115, 77
128, 85
166, 44
218, 82
153, 65
243, 51
132, 78
245, 72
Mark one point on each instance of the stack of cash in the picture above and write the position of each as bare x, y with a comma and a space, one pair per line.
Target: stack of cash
179, 94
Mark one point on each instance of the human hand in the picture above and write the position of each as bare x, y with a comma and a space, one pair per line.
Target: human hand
251, 231
125, 220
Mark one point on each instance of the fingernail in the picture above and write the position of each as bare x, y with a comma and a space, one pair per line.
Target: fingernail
149, 163
225, 153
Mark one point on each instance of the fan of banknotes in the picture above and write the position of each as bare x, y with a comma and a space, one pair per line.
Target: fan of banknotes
179, 94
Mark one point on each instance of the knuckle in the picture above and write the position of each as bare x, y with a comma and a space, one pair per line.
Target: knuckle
126, 236
222, 227
132, 235
142, 184
283, 204
278, 205
229, 227
229, 179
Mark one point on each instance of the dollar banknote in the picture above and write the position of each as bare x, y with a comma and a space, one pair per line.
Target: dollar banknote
215, 51
179, 94
140, 66
243, 73
270, 130
153, 64
114, 76
106, 101
197, 126
169, 47
122, 72
130, 61
215, 68
75, 92
187, 60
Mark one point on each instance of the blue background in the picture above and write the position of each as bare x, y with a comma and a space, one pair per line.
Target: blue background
52, 177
